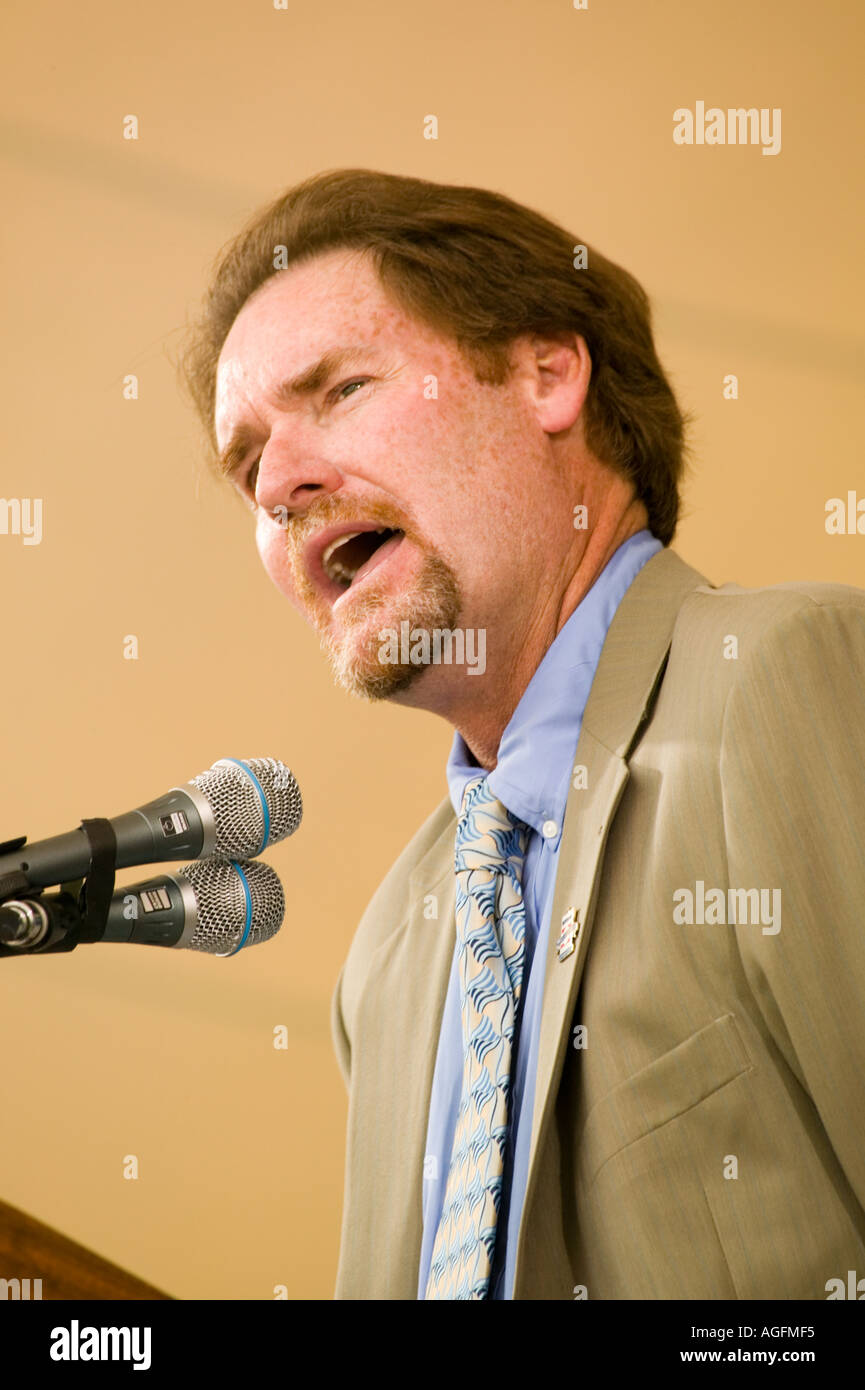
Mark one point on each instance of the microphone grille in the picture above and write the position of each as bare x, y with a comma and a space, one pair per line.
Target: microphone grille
235, 790
222, 904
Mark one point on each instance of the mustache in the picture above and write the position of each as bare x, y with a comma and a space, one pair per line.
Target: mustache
335, 511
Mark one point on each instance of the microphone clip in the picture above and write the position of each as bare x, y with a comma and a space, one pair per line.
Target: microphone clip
32, 923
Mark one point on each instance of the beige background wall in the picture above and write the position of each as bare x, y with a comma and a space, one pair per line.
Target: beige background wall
754, 265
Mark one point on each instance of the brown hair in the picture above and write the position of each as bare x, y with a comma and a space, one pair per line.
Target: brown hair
483, 270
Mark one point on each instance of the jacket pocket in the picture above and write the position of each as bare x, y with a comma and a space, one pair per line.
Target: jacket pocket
661, 1092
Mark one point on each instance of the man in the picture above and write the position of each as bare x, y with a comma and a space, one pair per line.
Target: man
601, 1023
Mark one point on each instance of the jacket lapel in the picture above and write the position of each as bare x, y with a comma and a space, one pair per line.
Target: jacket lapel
623, 692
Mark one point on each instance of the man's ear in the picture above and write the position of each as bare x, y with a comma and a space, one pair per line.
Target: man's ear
559, 371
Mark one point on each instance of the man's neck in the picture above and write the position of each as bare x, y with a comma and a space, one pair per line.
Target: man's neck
482, 726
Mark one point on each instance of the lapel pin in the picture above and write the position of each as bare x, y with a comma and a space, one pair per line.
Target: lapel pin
568, 934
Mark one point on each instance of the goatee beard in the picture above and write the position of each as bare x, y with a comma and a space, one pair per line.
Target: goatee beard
432, 602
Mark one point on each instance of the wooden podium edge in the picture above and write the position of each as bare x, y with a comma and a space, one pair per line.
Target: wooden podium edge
38, 1262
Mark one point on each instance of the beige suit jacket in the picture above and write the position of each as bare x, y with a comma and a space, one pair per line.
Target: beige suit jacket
707, 1139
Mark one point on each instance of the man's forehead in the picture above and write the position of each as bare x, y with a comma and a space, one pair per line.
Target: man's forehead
295, 317
336, 292
326, 311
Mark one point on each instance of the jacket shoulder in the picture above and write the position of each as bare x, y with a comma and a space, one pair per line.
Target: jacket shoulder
710, 616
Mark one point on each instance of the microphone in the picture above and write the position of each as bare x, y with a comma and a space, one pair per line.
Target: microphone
235, 809
216, 906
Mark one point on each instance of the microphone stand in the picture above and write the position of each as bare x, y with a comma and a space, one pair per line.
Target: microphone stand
35, 923
42, 923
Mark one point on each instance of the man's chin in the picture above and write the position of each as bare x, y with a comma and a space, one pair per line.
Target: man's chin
359, 650
368, 681
356, 661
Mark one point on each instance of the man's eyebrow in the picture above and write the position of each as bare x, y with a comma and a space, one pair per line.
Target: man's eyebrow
292, 389
313, 378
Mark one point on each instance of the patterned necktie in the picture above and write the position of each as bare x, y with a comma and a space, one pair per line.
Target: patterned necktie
491, 932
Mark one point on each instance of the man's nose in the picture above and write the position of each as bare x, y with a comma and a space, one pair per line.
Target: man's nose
291, 476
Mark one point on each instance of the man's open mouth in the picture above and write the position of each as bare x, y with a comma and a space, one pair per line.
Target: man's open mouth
353, 555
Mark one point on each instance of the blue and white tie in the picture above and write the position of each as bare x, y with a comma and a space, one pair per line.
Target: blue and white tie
491, 934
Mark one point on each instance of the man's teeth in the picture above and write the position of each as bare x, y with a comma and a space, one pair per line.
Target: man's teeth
343, 574
334, 545
334, 567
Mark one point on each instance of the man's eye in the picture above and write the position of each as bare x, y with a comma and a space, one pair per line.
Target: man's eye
337, 393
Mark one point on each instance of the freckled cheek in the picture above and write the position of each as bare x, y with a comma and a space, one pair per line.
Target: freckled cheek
436, 459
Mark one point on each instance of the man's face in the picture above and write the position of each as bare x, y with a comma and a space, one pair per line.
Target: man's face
390, 485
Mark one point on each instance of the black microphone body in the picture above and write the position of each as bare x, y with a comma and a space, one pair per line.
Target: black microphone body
178, 825
235, 809
215, 906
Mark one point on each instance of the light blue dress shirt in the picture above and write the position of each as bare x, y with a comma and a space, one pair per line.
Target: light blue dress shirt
532, 778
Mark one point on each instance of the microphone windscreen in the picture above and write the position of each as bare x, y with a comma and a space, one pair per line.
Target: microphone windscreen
231, 897
255, 802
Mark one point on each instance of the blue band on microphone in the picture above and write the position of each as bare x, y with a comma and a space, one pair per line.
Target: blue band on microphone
248, 896
238, 762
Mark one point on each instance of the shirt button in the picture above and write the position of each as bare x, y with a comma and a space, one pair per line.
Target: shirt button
549, 829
